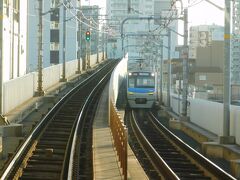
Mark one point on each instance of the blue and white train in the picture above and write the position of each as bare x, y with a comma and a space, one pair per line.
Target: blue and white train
141, 89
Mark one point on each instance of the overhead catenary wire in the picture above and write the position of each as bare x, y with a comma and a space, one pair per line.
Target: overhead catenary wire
195, 3
95, 28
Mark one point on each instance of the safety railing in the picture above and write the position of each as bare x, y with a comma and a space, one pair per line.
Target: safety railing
120, 138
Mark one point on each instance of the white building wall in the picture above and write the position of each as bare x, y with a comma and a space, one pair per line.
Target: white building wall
14, 40
23, 38
6, 50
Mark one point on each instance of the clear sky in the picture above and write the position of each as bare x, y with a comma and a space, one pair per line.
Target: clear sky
205, 13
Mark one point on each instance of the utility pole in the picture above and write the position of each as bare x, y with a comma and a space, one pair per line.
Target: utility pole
227, 83
185, 67
79, 35
64, 43
161, 73
40, 91
169, 70
106, 48
103, 44
97, 33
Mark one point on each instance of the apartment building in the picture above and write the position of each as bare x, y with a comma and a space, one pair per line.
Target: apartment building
203, 36
13, 45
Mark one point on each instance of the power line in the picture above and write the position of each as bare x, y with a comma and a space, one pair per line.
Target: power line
75, 16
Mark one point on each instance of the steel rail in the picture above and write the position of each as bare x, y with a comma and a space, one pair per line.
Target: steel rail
159, 163
74, 142
41, 124
206, 163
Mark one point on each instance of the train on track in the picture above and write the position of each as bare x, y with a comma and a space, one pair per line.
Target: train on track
141, 89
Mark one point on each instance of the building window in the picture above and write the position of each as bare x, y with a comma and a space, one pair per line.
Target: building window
6, 8
202, 77
16, 10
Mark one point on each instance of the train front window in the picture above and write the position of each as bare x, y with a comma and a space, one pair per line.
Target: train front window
145, 82
131, 82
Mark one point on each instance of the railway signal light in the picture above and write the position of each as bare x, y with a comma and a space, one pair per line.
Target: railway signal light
88, 35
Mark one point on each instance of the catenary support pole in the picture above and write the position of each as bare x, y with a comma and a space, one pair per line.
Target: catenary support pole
40, 91
185, 67
169, 70
79, 32
64, 43
161, 73
227, 85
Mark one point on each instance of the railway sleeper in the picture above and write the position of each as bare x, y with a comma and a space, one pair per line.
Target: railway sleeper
179, 165
60, 130
66, 124
54, 138
153, 174
52, 143
167, 151
41, 161
195, 171
63, 120
58, 117
43, 168
51, 146
40, 176
54, 134
52, 158
191, 176
55, 151
176, 159
171, 155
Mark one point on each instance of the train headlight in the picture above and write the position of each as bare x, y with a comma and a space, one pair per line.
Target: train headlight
151, 93
152, 74
129, 74
130, 93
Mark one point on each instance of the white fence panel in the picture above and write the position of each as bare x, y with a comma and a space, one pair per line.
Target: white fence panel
234, 122
51, 76
17, 91
207, 114
93, 59
71, 68
176, 103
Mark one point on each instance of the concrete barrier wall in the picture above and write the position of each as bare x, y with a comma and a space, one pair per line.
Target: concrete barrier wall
51, 76
209, 115
176, 103
117, 78
234, 122
93, 60
71, 68
18, 91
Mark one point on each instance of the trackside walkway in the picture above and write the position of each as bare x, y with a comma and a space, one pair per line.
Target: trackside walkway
105, 161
